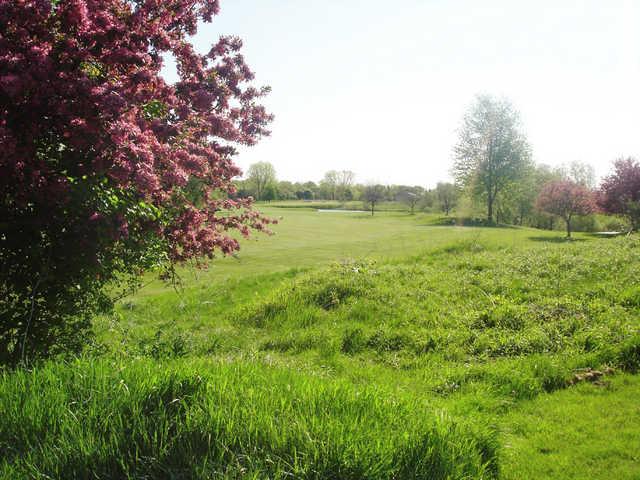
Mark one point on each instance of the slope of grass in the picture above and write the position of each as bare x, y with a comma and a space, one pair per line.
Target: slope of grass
466, 317
489, 325
197, 419
463, 319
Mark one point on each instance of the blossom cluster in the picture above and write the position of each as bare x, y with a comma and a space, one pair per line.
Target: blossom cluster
566, 198
620, 191
84, 107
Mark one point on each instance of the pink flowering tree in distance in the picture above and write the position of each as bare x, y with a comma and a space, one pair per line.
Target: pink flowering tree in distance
566, 199
106, 170
620, 191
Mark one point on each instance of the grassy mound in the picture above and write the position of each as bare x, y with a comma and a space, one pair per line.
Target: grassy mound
466, 316
203, 419
338, 372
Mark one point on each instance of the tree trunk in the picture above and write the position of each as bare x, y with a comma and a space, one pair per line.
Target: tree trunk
490, 209
568, 220
372, 207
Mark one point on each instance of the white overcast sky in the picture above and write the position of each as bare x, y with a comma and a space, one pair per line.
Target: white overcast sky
380, 87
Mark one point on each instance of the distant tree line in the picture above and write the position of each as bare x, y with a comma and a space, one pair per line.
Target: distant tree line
493, 167
496, 181
540, 197
262, 184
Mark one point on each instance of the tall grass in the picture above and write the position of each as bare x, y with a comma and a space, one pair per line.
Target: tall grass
202, 419
467, 315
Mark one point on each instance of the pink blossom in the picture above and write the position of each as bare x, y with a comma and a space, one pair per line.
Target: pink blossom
84, 75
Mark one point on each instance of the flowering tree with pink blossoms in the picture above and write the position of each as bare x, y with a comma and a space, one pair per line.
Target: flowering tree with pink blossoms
620, 191
566, 199
106, 170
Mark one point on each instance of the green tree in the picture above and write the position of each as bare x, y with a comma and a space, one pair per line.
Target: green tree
447, 195
372, 195
286, 190
270, 192
306, 191
336, 185
428, 200
492, 152
329, 185
581, 173
345, 180
410, 196
259, 176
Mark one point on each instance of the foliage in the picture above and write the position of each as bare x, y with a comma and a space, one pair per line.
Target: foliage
526, 194
410, 196
285, 191
620, 191
580, 173
492, 152
372, 195
260, 177
106, 170
336, 185
566, 199
447, 194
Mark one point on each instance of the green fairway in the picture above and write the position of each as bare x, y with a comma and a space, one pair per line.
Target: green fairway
306, 238
475, 331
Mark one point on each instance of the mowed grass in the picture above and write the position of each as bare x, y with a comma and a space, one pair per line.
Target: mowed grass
443, 352
305, 238
590, 431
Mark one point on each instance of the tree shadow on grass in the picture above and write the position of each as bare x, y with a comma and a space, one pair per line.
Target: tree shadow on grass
465, 222
562, 239
607, 234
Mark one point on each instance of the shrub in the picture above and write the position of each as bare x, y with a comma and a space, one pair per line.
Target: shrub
107, 171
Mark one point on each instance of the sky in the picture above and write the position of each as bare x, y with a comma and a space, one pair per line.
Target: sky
380, 87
